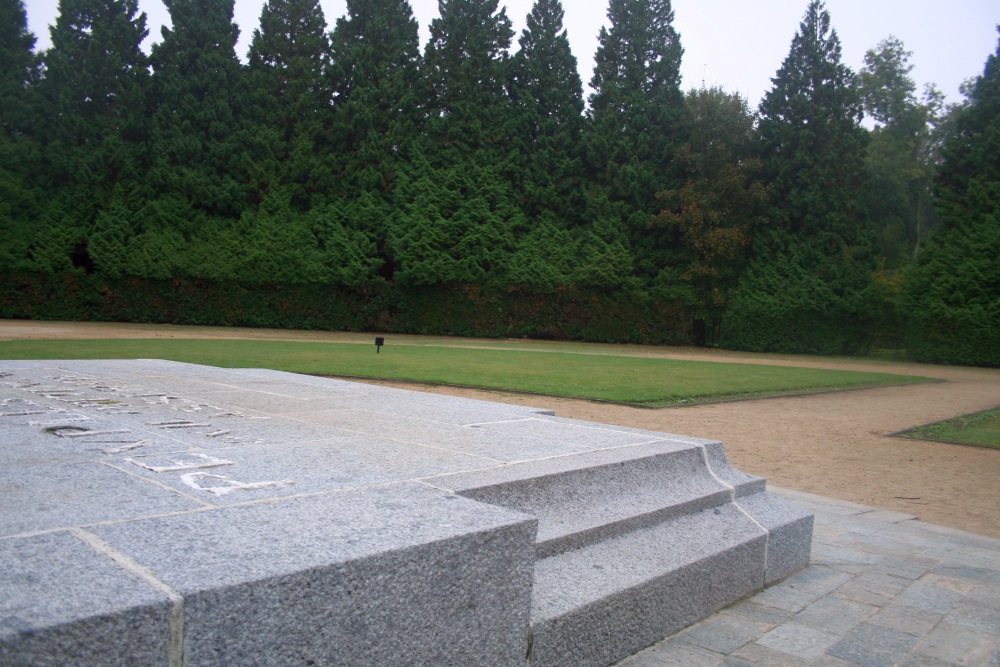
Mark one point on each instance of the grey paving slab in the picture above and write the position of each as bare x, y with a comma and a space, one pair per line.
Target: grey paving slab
872, 645
723, 634
45, 497
958, 645
835, 614
63, 603
800, 641
235, 475
904, 618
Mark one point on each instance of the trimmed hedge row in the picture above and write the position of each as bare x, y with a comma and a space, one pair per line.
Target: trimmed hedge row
452, 310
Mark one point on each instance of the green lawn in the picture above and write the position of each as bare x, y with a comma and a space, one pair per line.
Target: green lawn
608, 377
981, 429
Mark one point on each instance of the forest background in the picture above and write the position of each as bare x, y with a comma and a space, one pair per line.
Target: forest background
347, 179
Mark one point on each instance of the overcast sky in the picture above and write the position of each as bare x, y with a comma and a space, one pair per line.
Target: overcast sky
736, 44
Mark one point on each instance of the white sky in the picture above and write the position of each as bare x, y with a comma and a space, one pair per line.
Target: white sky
737, 44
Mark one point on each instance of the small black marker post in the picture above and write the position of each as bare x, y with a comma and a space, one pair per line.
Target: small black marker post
379, 342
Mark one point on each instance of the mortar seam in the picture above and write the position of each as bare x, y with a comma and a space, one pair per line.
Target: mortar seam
175, 646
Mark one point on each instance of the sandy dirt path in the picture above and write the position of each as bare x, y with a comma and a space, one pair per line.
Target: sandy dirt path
832, 444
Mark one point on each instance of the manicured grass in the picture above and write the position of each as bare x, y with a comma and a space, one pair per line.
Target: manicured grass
981, 429
608, 377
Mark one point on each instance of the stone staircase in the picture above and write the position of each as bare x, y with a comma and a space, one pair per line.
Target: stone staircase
638, 542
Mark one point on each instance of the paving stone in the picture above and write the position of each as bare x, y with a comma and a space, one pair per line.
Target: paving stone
800, 641
903, 569
975, 617
754, 610
969, 573
831, 661
904, 618
926, 661
957, 644
62, 602
873, 646
929, 598
675, 654
987, 594
834, 614
44, 497
722, 633
823, 554
758, 654
957, 585
872, 588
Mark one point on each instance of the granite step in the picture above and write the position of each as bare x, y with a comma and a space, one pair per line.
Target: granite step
650, 537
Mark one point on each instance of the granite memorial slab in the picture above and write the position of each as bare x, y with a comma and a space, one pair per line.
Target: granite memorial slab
160, 513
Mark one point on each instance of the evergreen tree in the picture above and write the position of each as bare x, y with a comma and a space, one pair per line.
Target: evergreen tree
636, 107
466, 68
289, 98
954, 289
634, 125
199, 95
198, 178
95, 90
19, 69
20, 165
810, 287
377, 115
376, 81
456, 227
549, 97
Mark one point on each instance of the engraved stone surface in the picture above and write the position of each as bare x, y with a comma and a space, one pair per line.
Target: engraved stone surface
155, 512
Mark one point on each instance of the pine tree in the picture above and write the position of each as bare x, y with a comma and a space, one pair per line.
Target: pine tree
634, 124
95, 91
199, 97
289, 97
548, 93
810, 287
19, 69
813, 144
96, 81
636, 107
953, 292
466, 68
20, 161
377, 110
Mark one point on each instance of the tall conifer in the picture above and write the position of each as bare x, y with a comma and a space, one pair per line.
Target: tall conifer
19, 149
95, 85
634, 126
289, 98
636, 107
377, 110
95, 92
548, 94
200, 93
954, 289
810, 286
466, 68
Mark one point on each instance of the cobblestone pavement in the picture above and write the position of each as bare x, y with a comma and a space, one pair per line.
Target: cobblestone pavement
883, 589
